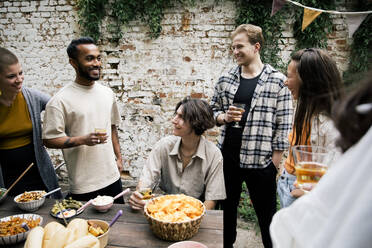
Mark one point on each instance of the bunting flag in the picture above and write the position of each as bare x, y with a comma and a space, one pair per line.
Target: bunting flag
353, 22
353, 19
276, 6
309, 17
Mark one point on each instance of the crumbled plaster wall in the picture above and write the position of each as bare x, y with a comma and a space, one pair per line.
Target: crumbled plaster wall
148, 76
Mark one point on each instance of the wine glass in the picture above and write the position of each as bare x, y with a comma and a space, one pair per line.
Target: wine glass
241, 108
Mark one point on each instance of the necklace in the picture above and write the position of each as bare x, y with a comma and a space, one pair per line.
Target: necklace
184, 156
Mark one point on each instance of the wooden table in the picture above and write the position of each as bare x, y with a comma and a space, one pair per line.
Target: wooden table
132, 229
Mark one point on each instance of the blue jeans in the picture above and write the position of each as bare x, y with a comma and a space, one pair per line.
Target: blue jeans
285, 186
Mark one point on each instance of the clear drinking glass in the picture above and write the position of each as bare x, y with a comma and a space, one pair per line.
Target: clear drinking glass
240, 107
100, 133
311, 163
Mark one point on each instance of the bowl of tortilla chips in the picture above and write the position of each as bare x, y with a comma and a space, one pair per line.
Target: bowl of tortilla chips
174, 217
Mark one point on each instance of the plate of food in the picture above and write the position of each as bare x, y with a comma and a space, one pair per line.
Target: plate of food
15, 228
67, 207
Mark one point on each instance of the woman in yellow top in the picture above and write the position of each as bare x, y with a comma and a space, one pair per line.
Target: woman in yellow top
20, 131
315, 82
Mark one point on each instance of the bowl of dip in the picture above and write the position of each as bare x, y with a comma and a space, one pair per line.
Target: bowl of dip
103, 203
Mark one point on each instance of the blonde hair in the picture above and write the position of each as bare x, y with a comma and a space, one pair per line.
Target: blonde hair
254, 33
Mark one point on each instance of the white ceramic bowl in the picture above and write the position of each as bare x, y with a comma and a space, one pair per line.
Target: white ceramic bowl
104, 204
187, 244
13, 239
30, 206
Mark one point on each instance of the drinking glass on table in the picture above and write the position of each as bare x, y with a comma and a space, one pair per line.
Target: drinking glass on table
311, 163
240, 107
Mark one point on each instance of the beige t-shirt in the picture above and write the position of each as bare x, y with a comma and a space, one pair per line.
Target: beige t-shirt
77, 110
203, 174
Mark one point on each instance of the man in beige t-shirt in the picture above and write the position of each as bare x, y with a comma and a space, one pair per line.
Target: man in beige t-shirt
71, 120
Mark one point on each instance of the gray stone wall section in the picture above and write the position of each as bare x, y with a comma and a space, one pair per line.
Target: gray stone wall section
148, 76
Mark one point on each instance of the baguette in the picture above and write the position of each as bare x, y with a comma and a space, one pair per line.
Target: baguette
35, 238
88, 241
55, 235
77, 228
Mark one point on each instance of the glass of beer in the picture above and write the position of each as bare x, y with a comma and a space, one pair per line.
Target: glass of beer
100, 132
241, 108
311, 163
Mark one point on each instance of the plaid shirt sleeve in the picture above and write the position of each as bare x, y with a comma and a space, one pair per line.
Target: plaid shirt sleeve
216, 102
283, 123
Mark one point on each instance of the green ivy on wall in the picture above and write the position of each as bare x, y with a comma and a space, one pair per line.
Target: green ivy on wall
151, 12
257, 12
361, 48
91, 13
315, 35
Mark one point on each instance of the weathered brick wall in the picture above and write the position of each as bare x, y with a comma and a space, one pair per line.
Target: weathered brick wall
148, 76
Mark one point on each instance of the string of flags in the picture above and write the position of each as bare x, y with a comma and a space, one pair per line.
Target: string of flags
353, 19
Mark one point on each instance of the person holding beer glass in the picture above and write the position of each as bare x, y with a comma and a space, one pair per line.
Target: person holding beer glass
315, 82
337, 212
252, 152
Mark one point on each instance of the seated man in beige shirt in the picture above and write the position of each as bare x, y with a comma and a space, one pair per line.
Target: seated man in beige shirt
187, 162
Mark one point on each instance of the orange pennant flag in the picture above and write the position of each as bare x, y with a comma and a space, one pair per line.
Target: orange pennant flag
309, 16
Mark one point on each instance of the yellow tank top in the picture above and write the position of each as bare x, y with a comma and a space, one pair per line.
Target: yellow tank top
289, 162
15, 124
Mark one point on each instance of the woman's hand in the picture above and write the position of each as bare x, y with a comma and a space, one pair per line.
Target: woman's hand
136, 202
298, 192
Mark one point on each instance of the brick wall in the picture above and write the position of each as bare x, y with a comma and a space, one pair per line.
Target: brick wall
148, 76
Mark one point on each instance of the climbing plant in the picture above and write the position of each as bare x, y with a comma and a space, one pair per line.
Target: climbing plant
151, 12
360, 54
91, 13
257, 12
315, 35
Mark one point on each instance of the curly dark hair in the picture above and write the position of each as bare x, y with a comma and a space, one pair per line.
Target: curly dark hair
353, 115
197, 113
72, 50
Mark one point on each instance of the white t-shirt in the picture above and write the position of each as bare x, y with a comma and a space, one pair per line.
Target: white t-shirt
77, 110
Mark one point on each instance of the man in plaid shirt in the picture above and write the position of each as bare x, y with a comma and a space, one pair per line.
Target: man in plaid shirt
253, 152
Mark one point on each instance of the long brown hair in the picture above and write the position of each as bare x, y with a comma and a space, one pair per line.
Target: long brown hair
320, 87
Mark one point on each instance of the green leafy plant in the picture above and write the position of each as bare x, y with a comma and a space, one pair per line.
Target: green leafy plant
246, 210
257, 12
360, 54
151, 12
315, 35
91, 13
